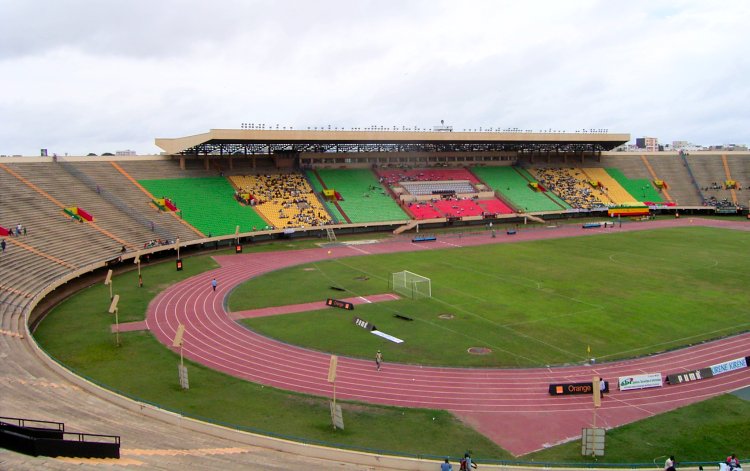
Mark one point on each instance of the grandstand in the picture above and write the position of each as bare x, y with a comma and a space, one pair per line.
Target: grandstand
207, 204
513, 184
363, 198
573, 186
442, 193
284, 200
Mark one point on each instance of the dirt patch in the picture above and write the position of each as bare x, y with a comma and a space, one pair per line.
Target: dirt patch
446, 316
309, 269
480, 350
362, 278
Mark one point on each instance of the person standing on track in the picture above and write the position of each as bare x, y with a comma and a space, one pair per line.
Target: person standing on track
669, 464
378, 360
214, 283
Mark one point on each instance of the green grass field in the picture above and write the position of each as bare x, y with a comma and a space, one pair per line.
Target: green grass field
77, 334
533, 304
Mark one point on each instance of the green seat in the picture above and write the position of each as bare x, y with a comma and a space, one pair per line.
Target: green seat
513, 185
208, 204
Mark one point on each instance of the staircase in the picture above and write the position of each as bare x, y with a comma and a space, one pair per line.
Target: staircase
673, 170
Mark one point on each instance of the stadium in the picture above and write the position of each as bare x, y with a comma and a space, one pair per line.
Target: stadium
506, 271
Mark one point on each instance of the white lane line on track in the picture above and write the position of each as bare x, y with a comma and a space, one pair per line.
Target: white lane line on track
357, 249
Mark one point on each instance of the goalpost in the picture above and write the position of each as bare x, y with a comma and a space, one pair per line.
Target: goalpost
412, 285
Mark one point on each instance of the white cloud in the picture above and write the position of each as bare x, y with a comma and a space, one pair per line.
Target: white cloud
94, 76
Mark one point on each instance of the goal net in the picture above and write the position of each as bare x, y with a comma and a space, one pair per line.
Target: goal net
411, 285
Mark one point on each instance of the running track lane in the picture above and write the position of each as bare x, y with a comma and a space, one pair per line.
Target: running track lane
510, 406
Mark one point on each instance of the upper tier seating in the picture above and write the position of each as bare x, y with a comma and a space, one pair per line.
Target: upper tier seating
513, 184
364, 199
285, 200
572, 186
208, 204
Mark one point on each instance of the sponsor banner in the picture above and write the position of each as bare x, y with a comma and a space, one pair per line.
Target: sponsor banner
363, 323
688, 376
340, 304
652, 380
563, 389
728, 366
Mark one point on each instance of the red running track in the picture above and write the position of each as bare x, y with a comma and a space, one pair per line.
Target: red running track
510, 406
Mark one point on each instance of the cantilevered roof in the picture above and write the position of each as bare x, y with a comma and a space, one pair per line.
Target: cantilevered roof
246, 141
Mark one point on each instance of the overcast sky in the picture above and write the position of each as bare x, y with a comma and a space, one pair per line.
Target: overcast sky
79, 76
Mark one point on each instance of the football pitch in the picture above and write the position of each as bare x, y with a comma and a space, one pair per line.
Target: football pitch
539, 303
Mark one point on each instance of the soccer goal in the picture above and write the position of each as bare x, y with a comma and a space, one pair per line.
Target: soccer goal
412, 285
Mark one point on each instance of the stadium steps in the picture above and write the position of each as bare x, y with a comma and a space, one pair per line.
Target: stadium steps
708, 169
50, 231
160, 169
72, 191
137, 197
729, 177
207, 203
53, 184
740, 168
671, 169
361, 203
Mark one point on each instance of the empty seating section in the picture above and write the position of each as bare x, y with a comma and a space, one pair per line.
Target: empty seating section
572, 186
424, 210
284, 200
364, 198
611, 187
317, 186
54, 244
394, 176
513, 184
71, 191
711, 175
640, 188
208, 204
419, 188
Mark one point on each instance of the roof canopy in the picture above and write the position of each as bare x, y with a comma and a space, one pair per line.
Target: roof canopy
242, 141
